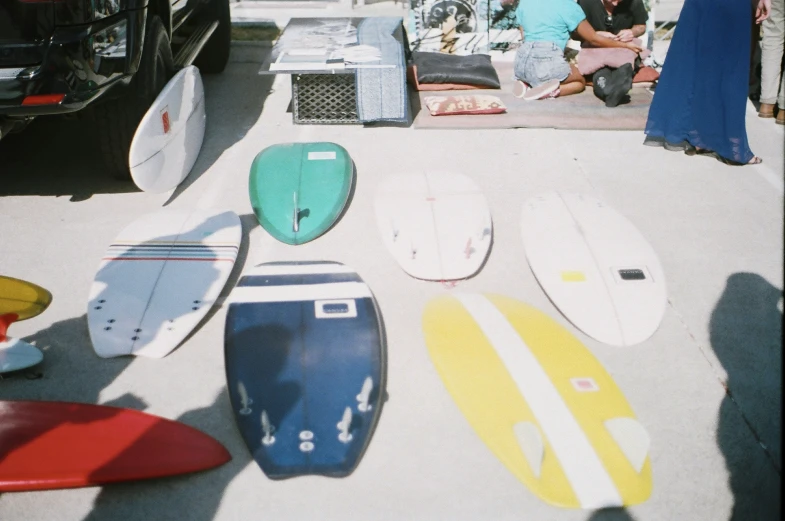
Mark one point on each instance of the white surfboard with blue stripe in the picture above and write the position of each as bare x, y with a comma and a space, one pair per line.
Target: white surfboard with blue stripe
305, 366
159, 278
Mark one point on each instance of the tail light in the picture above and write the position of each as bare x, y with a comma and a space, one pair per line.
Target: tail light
43, 99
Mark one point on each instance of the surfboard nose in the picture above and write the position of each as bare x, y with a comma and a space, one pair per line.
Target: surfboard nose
166, 448
22, 299
51, 445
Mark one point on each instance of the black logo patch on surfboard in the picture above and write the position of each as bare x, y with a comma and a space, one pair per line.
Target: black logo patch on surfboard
632, 274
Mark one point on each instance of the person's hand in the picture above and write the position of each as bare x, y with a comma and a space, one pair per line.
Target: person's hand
606, 34
762, 11
637, 49
625, 35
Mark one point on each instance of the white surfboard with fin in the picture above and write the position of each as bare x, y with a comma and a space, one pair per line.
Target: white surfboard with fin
169, 137
159, 278
595, 266
437, 225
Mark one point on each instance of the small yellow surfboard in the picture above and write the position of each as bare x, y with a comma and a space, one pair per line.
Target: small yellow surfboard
22, 298
539, 400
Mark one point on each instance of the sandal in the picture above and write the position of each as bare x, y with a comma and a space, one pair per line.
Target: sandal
697, 151
754, 161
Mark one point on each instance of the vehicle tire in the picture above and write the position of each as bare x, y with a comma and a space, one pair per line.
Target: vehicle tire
214, 55
116, 120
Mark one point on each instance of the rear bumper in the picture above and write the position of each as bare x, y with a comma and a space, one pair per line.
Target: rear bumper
82, 63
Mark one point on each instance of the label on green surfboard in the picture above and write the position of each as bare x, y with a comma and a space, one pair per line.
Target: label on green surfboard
316, 156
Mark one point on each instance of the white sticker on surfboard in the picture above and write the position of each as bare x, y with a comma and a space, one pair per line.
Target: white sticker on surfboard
321, 156
437, 225
595, 266
335, 308
169, 137
159, 278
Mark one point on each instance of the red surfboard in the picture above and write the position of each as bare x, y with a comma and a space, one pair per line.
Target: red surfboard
48, 445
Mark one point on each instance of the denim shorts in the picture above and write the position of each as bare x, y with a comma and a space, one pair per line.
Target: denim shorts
538, 62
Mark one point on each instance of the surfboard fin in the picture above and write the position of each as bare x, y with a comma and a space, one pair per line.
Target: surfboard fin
245, 400
484, 232
531, 444
343, 426
365, 396
268, 430
632, 439
296, 215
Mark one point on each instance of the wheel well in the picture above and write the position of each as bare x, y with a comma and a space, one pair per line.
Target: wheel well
163, 8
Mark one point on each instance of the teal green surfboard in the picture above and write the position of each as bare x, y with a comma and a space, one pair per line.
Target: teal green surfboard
298, 190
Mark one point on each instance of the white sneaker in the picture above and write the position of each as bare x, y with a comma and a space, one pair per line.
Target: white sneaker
549, 89
519, 88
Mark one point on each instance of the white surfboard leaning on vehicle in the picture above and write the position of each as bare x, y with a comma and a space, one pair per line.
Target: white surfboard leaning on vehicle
169, 137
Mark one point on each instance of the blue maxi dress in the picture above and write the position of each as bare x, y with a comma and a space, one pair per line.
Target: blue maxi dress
701, 97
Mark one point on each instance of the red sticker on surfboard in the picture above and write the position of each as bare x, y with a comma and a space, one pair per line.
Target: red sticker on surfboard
585, 384
165, 119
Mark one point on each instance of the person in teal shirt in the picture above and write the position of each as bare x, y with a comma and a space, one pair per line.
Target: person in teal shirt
540, 66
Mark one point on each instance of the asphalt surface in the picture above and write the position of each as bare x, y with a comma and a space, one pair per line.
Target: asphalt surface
707, 385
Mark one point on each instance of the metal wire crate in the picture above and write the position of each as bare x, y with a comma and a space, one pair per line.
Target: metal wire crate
324, 98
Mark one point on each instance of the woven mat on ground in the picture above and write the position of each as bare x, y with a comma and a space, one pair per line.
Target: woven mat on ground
582, 111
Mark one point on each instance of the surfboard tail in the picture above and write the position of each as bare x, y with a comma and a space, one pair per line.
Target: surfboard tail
558, 422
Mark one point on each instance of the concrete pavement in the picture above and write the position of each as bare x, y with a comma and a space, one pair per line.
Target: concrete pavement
718, 231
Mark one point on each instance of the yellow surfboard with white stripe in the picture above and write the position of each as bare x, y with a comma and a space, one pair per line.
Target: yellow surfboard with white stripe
539, 400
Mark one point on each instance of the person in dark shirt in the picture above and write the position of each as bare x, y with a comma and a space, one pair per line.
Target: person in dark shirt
621, 20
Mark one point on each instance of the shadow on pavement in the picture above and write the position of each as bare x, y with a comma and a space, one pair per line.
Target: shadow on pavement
70, 371
611, 514
746, 335
55, 157
234, 102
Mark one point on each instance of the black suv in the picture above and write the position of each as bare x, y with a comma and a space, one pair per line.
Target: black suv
105, 59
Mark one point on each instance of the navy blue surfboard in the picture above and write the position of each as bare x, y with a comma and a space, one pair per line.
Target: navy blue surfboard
305, 366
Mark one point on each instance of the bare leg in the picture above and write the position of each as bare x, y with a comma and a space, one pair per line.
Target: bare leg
572, 84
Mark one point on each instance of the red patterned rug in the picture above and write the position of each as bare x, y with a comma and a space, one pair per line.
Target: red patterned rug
582, 111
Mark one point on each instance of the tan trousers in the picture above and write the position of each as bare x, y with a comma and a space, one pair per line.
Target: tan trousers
772, 80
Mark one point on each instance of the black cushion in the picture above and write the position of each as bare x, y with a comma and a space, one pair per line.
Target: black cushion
472, 69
